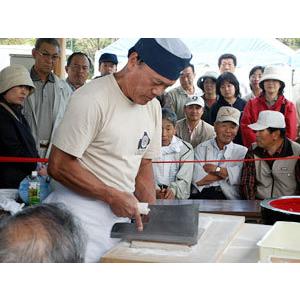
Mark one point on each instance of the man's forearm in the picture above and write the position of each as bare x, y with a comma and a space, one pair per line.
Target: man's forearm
208, 179
144, 183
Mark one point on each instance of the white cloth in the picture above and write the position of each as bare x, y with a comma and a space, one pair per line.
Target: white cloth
95, 217
209, 150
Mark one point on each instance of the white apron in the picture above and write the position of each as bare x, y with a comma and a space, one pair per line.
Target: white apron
96, 219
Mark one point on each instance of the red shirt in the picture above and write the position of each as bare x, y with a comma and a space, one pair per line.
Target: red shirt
258, 104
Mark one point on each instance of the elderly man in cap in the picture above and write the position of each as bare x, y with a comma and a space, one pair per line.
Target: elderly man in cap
108, 63
105, 169
176, 98
271, 98
207, 83
219, 180
192, 128
271, 178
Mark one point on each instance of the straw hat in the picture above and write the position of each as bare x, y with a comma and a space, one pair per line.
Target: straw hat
15, 75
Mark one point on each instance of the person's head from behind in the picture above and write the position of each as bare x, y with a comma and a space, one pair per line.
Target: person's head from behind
187, 77
227, 63
153, 65
108, 63
226, 125
15, 84
194, 108
169, 120
255, 75
207, 82
272, 81
46, 54
228, 86
78, 67
42, 233
270, 129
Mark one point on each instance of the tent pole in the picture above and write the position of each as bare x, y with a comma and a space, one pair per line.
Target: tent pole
59, 68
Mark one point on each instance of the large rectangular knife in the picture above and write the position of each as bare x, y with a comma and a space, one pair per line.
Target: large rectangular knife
167, 223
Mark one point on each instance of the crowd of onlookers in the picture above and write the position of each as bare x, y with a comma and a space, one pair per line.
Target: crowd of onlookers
220, 125
209, 122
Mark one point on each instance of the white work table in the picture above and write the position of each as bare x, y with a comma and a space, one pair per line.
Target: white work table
225, 239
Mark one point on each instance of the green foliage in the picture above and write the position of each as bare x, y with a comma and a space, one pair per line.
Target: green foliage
293, 43
88, 46
17, 42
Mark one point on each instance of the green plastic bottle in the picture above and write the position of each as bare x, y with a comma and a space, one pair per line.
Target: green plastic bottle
34, 195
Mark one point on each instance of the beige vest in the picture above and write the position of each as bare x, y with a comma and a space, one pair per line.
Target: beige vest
278, 181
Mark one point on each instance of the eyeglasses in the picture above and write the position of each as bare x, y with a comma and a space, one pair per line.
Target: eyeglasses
53, 57
78, 67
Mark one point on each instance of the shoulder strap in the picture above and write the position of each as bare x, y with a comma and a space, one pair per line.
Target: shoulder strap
9, 110
282, 109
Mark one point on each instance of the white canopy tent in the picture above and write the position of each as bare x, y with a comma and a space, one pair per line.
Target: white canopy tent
249, 51
206, 51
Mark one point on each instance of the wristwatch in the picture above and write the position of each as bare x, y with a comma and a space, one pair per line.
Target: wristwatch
218, 169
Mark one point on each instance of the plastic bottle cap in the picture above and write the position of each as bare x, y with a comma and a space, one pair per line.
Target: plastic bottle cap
34, 173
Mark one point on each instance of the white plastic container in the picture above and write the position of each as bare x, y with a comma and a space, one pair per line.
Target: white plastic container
282, 240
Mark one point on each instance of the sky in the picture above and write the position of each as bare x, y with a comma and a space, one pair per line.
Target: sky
154, 18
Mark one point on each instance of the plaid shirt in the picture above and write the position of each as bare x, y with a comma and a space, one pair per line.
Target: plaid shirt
248, 178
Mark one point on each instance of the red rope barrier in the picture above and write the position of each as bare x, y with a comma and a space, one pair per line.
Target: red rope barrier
228, 160
45, 160
22, 159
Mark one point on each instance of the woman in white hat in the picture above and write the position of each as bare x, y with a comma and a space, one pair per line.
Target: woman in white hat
16, 139
271, 98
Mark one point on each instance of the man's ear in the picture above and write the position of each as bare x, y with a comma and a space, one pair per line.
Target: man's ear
133, 59
33, 52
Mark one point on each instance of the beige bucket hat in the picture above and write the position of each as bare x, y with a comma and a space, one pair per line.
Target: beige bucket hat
274, 73
15, 75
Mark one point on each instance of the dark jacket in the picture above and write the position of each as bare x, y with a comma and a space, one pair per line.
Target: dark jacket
16, 140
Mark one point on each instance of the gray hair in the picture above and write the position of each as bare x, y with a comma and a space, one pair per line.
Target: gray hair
52, 41
42, 233
169, 115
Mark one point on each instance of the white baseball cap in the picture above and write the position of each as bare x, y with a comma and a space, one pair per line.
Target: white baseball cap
268, 118
195, 100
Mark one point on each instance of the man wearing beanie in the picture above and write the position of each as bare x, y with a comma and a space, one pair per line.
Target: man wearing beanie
102, 152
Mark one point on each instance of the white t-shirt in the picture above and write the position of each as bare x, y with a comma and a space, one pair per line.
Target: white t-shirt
109, 133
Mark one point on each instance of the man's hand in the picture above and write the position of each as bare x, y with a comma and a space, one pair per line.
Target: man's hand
168, 194
126, 205
165, 193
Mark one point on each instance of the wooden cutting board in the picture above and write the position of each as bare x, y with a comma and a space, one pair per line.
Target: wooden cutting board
218, 231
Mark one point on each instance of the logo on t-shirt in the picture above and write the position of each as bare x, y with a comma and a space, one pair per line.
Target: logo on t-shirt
143, 143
